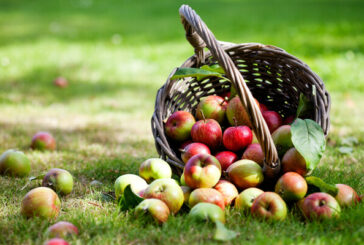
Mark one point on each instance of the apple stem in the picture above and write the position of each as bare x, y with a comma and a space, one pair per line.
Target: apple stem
181, 150
203, 116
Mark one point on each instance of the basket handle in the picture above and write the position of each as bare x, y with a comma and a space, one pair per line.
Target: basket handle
199, 35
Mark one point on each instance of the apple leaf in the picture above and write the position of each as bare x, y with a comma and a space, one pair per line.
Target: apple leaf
213, 68
30, 179
316, 184
198, 73
309, 140
222, 233
305, 107
129, 199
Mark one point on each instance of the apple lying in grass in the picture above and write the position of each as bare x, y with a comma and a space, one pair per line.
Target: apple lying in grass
42, 202
245, 199
178, 126
227, 190
60, 82
346, 196
202, 170
226, 158
14, 163
62, 229
320, 206
206, 195
273, 120
194, 149
154, 207
208, 132
207, 212
282, 139
155, 168
212, 107
56, 241
43, 141
59, 180
137, 184
255, 153
236, 113
291, 187
237, 138
168, 191
245, 174
269, 206
293, 161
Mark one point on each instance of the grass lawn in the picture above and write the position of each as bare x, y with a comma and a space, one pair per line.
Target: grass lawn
116, 54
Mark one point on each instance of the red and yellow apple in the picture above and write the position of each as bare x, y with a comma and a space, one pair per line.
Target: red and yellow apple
227, 190
255, 153
245, 173
208, 132
137, 184
291, 187
293, 161
245, 199
346, 196
155, 168
320, 205
236, 113
178, 125
62, 229
282, 139
43, 141
154, 207
212, 107
209, 195
56, 241
269, 206
14, 163
60, 180
194, 149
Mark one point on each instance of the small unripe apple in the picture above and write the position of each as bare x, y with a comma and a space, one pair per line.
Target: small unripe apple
14, 163
59, 180
155, 168
291, 187
137, 184
62, 229
207, 212
43, 141
154, 207
245, 199
42, 202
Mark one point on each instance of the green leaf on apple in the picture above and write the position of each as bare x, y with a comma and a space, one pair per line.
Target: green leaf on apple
316, 184
198, 73
129, 199
222, 233
30, 179
309, 140
305, 107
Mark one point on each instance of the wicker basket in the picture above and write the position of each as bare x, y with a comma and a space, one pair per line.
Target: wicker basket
268, 73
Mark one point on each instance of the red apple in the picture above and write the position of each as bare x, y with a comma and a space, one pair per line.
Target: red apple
289, 119
320, 206
212, 107
154, 207
42, 202
273, 120
346, 196
293, 161
56, 241
291, 187
168, 191
178, 126
59, 180
184, 144
263, 107
226, 158
237, 138
194, 149
227, 190
202, 170
236, 113
270, 206
62, 229
245, 173
155, 168
206, 195
255, 153
207, 212
14, 163
43, 141
282, 139
60, 82
245, 199
208, 132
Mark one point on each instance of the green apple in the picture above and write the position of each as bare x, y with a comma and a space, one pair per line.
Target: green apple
137, 184
59, 180
207, 212
245, 199
245, 173
155, 168
282, 139
154, 207
14, 163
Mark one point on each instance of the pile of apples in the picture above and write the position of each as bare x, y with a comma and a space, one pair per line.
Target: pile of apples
223, 167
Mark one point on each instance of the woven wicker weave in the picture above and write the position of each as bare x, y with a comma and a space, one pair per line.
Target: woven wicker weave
268, 73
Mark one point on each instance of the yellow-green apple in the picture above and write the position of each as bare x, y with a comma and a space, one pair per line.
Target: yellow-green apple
255, 153
194, 149
209, 195
212, 107
346, 196
202, 170
236, 113
291, 187
43, 141
273, 120
320, 205
154, 207
237, 138
293, 161
245, 173
282, 139
42, 202
226, 158
208, 132
227, 190
186, 193
155, 168
178, 126
62, 229
60, 82
168, 191
289, 119
137, 184
207, 212
14, 163
56, 241
59, 180
270, 206
245, 199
